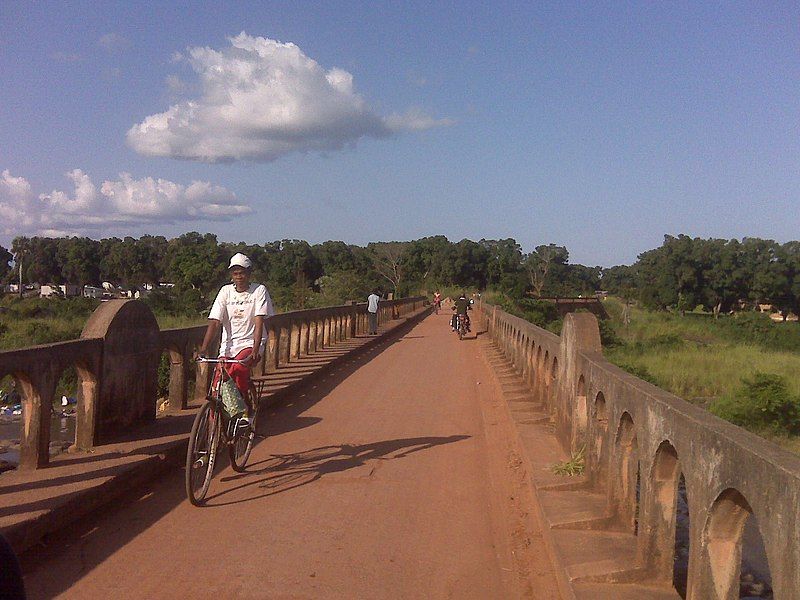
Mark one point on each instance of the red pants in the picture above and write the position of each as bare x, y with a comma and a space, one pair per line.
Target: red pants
239, 373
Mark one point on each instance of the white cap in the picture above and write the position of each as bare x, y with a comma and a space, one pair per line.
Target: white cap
240, 260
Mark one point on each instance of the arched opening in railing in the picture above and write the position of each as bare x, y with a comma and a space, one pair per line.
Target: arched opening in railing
733, 570
546, 383
540, 376
530, 347
164, 369
599, 430
625, 483
581, 417
664, 480
553, 385
11, 422
23, 447
680, 566
68, 394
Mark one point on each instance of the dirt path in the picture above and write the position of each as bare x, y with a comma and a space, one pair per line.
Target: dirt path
390, 480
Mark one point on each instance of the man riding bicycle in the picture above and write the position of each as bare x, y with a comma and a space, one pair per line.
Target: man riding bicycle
461, 307
240, 309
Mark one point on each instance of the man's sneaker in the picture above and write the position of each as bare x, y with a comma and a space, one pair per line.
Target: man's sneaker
243, 424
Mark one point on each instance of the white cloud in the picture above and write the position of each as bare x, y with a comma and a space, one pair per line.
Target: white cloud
112, 42
262, 99
125, 202
415, 120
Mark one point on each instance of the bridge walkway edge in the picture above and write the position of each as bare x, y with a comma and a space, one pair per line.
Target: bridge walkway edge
590, 561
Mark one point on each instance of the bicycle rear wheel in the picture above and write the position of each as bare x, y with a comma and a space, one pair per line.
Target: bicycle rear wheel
242, 445
202, 453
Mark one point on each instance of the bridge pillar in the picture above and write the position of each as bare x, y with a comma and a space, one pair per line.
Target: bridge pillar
284, 340
580, 333
128, 378
37, 396
178, 379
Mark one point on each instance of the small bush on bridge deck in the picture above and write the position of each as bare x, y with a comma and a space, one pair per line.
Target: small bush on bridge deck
571, 467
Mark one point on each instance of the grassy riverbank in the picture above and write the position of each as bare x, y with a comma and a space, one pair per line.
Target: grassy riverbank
741, 367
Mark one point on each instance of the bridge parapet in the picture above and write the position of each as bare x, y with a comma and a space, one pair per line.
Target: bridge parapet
639, 439
117, 362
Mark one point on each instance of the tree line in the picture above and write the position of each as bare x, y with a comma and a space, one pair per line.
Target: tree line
683, 273
716, 274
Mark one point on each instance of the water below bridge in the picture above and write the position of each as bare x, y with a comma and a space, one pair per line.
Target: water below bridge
390, 480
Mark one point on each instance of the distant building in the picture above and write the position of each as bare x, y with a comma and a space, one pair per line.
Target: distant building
61, 291
90, 291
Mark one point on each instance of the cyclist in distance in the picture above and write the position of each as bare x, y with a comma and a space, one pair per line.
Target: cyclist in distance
461, 307
240, 309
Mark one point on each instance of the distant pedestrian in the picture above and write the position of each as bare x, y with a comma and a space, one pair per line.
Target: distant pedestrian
372, 312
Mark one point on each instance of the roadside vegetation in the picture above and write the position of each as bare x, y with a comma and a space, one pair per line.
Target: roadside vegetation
685, 315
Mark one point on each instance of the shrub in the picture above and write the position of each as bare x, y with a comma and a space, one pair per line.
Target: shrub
608, 335
763, 401
44, 332
639, 371
538, 312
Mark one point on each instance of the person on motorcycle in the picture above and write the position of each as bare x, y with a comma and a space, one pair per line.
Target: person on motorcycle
461, 307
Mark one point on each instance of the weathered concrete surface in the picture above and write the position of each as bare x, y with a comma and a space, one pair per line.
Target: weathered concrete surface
131, 352
36, 503
638, 441
392, 478
574, 516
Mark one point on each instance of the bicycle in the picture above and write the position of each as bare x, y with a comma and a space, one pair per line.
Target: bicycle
208, 432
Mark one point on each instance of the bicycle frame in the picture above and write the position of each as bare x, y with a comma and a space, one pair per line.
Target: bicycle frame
214, 393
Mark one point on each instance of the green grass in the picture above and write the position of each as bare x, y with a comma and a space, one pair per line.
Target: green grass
569, 468
706, 361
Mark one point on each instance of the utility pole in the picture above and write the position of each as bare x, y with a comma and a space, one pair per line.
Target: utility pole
19, 260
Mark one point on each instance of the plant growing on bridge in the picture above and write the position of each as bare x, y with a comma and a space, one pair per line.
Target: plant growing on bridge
573, 466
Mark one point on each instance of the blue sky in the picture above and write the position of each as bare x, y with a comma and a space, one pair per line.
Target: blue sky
597, 126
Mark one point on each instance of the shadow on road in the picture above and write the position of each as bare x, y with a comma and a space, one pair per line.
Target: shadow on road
284, 472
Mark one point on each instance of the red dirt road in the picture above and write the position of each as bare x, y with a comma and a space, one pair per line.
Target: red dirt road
392, 479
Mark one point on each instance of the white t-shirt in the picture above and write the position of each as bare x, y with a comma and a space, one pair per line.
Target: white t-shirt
237, 311
372, 303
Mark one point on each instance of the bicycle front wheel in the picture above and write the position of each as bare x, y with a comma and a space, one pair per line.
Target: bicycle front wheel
202, 453
242, 445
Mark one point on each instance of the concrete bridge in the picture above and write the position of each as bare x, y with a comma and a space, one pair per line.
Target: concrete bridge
407, 465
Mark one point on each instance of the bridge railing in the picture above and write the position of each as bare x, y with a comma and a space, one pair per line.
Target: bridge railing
118, 356
639, 439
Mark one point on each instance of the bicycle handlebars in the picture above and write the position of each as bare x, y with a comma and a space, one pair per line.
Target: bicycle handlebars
203, 359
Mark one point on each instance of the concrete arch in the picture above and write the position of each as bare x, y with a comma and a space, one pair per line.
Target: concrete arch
598, 452
86, 408
624, 476
660, 513
529, 359
553, 385
722, 539
539, 370
580, 421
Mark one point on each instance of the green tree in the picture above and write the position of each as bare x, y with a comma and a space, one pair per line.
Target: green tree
539, 264
196, 262
5, 264
79, 260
